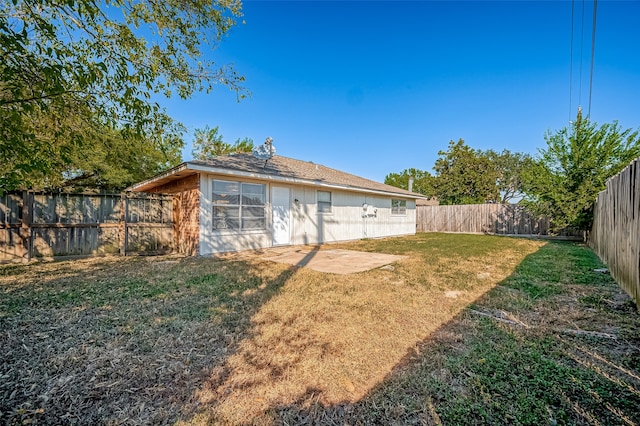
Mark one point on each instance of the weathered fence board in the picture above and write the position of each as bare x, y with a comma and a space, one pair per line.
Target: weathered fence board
10, 239
49, 225
480, 218
615, 235
149, 224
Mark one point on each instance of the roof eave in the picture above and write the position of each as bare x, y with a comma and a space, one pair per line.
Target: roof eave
291, 180
148, 184
177, 169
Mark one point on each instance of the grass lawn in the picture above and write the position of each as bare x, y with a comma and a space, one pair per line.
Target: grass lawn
468, 329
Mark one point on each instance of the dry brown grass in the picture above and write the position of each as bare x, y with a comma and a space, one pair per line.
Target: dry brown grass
115, 340
237, 340
329, 339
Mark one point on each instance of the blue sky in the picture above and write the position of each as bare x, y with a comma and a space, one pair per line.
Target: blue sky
372, 88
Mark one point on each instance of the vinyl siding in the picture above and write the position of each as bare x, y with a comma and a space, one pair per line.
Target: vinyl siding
308, 226
346, 221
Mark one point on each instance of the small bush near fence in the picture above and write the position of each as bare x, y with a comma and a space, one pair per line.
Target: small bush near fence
34, 225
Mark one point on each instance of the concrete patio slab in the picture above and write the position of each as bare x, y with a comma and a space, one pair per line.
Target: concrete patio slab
334, 261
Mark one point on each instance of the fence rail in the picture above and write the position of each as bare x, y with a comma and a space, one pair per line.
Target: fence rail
615, 235
481, 218
34, 225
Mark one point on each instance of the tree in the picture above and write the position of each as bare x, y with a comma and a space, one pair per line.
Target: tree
565, 180
75, 152
422, 181
208, 142
468, 176
510, 167
242, 145
115, 162
465, 176
66, 67
110, 159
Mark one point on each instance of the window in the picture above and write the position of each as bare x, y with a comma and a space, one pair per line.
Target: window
399, 207
324, 202
238, 205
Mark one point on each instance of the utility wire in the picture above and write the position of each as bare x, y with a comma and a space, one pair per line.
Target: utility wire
593, 50
573, 3
581, 55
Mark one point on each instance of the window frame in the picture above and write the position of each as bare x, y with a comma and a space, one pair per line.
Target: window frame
325, 203
400, 209
242, 207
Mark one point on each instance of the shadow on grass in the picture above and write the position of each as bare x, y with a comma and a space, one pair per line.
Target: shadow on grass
530, 351
103, 340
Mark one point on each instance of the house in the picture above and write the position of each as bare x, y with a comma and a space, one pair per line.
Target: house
238, 202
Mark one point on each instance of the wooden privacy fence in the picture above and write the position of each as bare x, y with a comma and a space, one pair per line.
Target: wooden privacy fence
615, 235
36, 225
480, 218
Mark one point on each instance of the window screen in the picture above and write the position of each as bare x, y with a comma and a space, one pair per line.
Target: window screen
238, 205
399, 207
324, 202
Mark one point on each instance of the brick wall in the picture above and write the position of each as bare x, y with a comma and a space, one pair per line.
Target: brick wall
186, 212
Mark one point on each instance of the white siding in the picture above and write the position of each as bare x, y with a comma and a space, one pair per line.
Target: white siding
304, 215
345, 222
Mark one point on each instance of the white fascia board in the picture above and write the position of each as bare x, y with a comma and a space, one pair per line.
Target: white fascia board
284, 179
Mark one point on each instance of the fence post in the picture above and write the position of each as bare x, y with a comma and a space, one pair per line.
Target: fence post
123, 224
25, 225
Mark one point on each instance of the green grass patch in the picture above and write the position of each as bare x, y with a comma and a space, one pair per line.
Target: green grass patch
509, 378
555, 266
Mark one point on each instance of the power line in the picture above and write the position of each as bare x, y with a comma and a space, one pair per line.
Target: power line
593, 47
581, 55
571, 61
593, 50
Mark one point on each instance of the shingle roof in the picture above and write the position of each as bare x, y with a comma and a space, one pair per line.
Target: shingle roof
284, 167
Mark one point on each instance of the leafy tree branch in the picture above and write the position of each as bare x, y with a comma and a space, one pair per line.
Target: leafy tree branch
68, 66
208, 142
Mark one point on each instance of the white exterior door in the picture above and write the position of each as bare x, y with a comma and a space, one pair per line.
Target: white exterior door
281, 216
